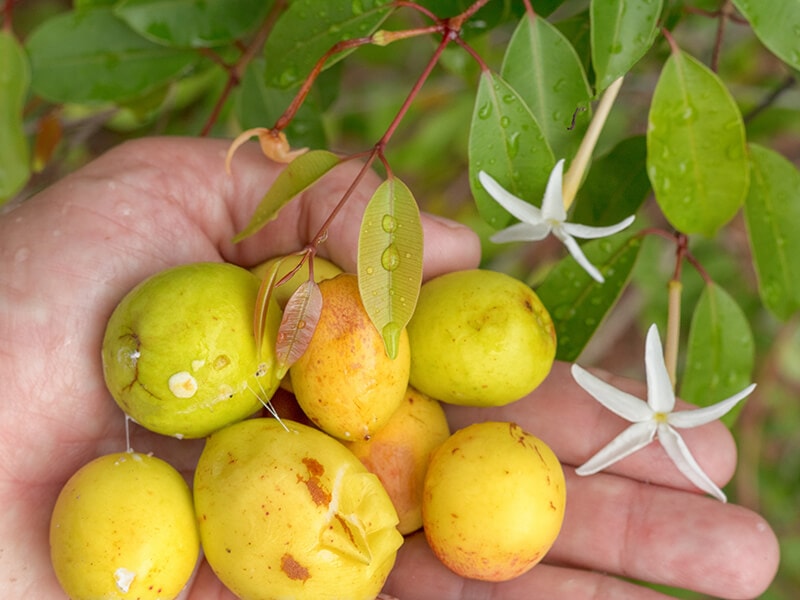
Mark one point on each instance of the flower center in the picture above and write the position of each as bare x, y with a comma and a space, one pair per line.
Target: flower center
660, 417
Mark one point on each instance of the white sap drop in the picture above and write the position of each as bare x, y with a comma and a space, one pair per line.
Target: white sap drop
124, 578
183, 385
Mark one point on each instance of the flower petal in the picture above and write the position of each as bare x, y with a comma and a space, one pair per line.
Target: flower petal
524, 211
521, 232
586, 232
660, 395
621, 403
634, 438
678, 451
577, 254
686, 419
553, 202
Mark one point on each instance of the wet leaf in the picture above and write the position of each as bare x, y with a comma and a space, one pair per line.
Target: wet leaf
772, 214
14, 152
544, 69
300, 318
720, 353
390, 260
264, 303
696, 152
309, 28
505, 140
622, 32
92, 56
777, 24
576, 302
189, 23
300, 174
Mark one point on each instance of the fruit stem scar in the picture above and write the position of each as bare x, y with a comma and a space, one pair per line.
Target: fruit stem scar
182, 384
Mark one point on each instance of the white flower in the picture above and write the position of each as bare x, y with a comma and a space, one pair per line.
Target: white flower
537, 223
655, 418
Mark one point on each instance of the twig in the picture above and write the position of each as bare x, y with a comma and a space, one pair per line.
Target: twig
788, 82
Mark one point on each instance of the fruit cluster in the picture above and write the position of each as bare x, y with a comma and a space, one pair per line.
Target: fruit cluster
314, 504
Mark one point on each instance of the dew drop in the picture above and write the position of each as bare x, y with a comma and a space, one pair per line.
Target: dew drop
390, 259
388, 223
505, 121
485, 111
512, 144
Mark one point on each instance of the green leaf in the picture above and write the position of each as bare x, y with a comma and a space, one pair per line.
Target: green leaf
720, 353
189, 23
92, 56
616, 186
390, 260
505, 140
696, 151
777, 24
544, 69
772, 214
14, 152
576, 302
260, 105
300, 174
622, 32
309, 28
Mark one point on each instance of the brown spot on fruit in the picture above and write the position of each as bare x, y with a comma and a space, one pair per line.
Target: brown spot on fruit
315, 469
293, 569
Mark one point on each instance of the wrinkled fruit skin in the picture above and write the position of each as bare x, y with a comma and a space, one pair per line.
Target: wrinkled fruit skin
345, 382
292, 514
179, 353
479, 338
399, 453
123, 527
494, 501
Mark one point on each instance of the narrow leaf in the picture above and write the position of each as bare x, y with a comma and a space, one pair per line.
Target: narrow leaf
14, 153
696, 152
576, 302
720, 353
298, 175
616, 186
300, 318
92, 56
189, 23
622, 32
505, 140
772, 214
309, 28
390, 260
544, 69
264, 303
777, 24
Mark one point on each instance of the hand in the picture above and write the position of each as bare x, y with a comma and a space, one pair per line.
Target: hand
69, 254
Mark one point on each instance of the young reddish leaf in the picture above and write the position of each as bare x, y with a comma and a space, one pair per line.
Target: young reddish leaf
299, 175
300, 318
390, 260
48, 136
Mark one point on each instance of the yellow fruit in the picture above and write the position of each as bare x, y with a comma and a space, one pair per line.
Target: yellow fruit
399, 453
344, 381
292, 514
494, 501
479, 338
179, 353
323, 269
123, 527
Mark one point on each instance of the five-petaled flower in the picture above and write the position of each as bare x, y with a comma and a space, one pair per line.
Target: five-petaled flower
655, 418
535, 224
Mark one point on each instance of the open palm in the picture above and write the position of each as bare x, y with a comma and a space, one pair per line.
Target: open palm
69, 254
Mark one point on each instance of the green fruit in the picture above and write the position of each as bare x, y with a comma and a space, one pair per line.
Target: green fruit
291, 513
479, 338
123, 526
179, 354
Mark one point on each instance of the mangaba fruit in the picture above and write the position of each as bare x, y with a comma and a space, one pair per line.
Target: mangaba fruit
123, 527
291, 513
179, 352
479, 338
